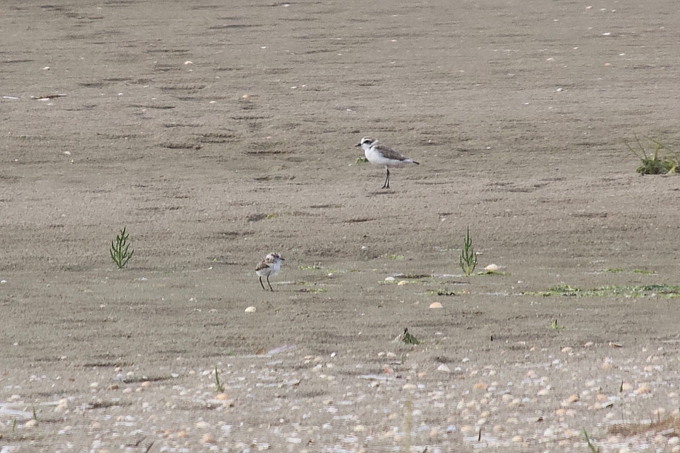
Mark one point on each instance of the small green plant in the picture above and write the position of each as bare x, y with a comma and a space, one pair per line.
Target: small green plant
652, 163
35, 415
643, 271
468, 257
218, 384
440, 292
408, 338
120, 249
555, 326
14, 424
592, 447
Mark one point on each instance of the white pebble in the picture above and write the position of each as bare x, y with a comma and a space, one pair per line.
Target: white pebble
251, 310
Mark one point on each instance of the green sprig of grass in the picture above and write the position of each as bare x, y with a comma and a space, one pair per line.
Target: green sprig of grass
218, 384
651, 160
468, 257
120, 249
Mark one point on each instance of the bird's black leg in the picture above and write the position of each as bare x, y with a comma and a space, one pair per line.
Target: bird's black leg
387, 179
270, 285
262, 284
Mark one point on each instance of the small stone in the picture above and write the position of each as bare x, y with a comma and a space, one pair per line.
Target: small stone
359, 429
208, 438
566, 349
517, 439
491, 268
202, 425
402, 283
480, 386
94, 385
444, 368
467, 429
294, 440
570, 400
436, 305
251, 310
643, 389
182, 434
31, 423
543, 392
222, 396
389, 279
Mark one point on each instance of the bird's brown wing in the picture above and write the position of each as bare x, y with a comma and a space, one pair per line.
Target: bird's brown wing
388, 152
262, 265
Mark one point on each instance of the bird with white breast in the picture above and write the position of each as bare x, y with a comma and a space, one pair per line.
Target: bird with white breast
380, 154
269, 266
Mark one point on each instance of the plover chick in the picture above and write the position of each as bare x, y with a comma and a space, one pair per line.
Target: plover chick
270, 265
380, 154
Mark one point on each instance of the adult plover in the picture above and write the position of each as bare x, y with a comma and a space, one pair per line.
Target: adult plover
380, 154
270, 265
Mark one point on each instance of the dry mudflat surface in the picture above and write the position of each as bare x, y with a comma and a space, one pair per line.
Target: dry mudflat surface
217, 132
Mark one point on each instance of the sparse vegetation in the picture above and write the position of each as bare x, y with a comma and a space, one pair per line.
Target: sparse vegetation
663, 290
407, 338
218, 384
592, 447
614, 270
440, 292
120, 249
652, 162
468, 257
619, 270
555, 326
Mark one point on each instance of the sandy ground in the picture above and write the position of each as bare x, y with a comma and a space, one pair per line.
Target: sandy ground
217, 132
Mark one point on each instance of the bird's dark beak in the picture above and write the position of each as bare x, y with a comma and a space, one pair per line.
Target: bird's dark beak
283, 259
358, 144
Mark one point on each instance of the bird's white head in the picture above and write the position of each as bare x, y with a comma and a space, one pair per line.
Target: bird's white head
274, 258
366, 142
